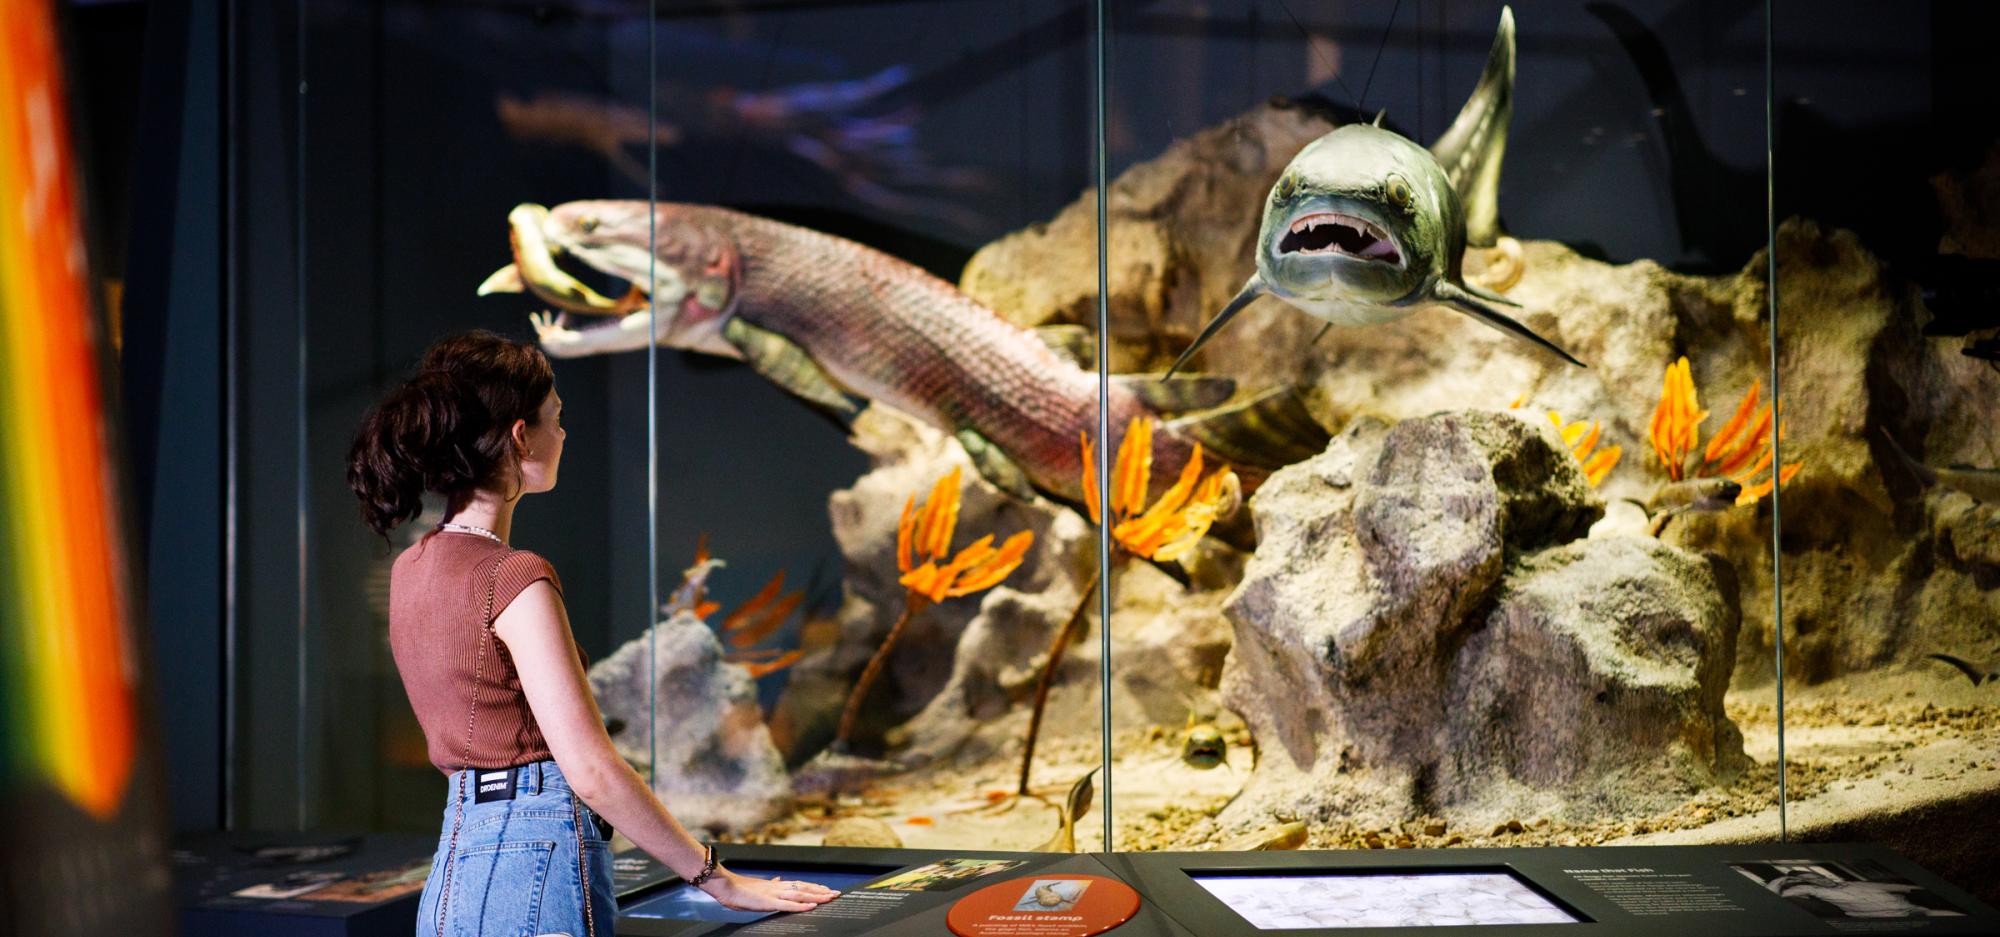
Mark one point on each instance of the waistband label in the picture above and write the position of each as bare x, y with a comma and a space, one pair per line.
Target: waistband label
493, 785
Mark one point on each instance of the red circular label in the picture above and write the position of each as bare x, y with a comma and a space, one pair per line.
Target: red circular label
1052, 905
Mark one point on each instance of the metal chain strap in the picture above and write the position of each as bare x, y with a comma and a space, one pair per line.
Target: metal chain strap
471, 719
582, 877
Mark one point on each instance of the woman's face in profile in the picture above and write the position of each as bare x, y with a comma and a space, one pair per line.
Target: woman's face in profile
544, 447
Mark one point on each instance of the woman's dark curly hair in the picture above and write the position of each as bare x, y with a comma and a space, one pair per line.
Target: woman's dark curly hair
448, 429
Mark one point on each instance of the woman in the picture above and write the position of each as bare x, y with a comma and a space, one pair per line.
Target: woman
497, 681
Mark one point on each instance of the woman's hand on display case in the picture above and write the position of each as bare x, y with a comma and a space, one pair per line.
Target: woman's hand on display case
744, 893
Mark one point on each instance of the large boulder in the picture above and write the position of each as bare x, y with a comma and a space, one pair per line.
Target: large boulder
1424, 630
693, 719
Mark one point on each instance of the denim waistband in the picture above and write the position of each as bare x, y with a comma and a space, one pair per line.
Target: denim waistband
532, 778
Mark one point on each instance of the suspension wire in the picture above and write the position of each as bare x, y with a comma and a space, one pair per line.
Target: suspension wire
1103, 453
1777, 438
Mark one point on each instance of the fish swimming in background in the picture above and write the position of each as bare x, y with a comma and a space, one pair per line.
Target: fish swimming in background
826, 318
854, 131
1203, 746
1691, 496
1365, 227
1982, 484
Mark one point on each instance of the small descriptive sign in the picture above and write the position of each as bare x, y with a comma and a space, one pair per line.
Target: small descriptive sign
836, 916
1646, 892
1054, 905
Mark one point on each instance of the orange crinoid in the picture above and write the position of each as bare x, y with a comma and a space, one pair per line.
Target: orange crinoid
1179, 519
925, 533
1582, 443
1740, 451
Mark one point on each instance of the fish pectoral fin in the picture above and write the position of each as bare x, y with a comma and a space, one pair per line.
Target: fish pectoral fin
1479, 304
1252, 288
1076, 343
1180, 393
995, 465
1269, 431
785, 364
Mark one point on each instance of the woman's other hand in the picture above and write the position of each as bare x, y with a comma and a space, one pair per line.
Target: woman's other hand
744, 893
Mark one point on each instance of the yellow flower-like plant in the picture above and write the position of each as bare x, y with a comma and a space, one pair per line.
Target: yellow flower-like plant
1742, 450
1163, 533
1582, 443
926, 534
1172, 526
923, 540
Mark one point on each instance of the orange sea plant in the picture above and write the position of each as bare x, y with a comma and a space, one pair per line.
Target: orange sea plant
923, 540
749, 624
1172, 526
1740, 451
1163, 532
1581, 441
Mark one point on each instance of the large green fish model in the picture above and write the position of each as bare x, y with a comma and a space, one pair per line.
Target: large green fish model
1366, 227
825, 318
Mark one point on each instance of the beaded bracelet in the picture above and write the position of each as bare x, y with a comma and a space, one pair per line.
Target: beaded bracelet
708, 867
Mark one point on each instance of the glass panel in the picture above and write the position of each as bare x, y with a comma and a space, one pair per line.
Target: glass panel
418, 129
837, 189
1476, 607
1889, 369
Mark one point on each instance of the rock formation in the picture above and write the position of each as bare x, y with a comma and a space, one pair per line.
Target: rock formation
1423, 630
709, 752
1866, 583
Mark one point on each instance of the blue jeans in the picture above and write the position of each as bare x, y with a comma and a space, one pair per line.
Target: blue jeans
516, 872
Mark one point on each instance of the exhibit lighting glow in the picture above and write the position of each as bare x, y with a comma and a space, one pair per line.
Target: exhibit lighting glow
66, 671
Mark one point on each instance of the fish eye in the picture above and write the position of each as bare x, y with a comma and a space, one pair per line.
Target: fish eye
1398, 192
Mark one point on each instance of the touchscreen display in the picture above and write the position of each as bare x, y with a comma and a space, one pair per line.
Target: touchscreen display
1373, 899
683, 902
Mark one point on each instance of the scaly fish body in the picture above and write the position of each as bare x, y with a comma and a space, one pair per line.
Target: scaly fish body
825, 316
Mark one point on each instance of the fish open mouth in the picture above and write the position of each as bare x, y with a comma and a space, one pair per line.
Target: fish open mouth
554, 274
1332, 232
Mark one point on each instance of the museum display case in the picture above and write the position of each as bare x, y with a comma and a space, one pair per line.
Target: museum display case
1412, 384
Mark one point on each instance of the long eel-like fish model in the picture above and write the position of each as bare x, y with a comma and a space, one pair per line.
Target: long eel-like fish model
825, 317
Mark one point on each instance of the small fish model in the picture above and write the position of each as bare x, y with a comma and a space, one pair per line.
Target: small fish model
1690, 496
826, 318
1202, 745
1978, 675
1366, 227
1981, 483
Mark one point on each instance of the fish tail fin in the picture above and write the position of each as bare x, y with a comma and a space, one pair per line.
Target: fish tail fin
1470, 150
1926, 475
1269, 431
1480, 304
1252, 288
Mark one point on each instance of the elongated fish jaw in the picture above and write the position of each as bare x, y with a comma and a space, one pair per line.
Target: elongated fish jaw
611, 237
538, 271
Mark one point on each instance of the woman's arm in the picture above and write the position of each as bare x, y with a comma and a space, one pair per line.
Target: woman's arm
536, 631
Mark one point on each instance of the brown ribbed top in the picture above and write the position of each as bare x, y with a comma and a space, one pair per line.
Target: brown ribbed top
437, 604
